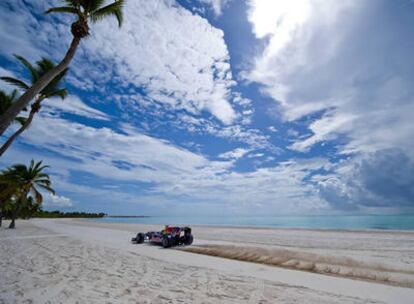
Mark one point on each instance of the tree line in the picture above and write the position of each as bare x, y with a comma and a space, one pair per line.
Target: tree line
21, 186
35, 211
58, 214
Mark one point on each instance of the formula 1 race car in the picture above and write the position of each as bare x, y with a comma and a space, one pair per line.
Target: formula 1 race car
170, 236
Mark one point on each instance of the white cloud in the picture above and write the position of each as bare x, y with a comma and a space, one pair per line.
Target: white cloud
328, 56
216, 5
56, 201
73, 105
154, 49
381, 179
234, 154
290, 28
323, 129
255, 155
25, 34
3, 85
169, 174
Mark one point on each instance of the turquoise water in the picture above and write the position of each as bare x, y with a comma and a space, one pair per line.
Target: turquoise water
347, 222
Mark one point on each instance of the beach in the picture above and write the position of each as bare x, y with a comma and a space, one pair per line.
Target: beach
74, 261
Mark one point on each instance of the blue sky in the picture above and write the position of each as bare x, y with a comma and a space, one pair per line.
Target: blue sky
225, 107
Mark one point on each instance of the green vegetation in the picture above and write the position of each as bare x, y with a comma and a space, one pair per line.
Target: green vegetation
58, 214
85, 11
6, 101
51, 90
19, 189
20, 185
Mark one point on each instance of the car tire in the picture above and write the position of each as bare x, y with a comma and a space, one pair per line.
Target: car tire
166, 242
188, 239
140, 238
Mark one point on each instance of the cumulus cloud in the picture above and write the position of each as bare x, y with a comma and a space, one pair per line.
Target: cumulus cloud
342, 59
153, 53
321, 61
56, 201
154, 50
381, 179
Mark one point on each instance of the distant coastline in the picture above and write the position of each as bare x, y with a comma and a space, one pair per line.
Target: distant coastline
335, 222
127, 216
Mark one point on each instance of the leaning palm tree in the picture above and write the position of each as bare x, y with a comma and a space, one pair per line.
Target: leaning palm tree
51, 90
25, 181
85, 11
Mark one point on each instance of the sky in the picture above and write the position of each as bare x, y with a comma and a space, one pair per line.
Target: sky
224, 107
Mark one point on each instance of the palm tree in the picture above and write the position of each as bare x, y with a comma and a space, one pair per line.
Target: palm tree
51, 90
6, 101
3, 201
84, 10
25, 181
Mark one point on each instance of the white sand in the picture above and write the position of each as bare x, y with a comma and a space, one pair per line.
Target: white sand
64, 261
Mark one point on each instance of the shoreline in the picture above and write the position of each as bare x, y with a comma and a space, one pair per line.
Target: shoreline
303, 257
391, 231
89, 247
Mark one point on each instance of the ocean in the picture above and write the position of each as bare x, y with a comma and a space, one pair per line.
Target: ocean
336, 222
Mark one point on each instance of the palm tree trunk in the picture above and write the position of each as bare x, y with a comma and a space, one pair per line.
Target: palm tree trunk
12, 224
13, 218
33, 111
16, 212
7, 118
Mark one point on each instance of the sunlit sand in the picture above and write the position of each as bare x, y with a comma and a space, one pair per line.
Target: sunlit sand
65, 261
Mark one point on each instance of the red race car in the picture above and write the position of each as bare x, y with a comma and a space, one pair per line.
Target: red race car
168, 237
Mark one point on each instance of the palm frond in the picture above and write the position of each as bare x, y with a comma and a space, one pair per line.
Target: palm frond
92, 5
73, 3
18, 167
32, 164
13, 95
114, 9
48, 189
62, 93
53, 86
38, 196
35, 166
45, 181
44, 66
120, 17
62, 9
28, 65
40, 168
6, 101
45, 175
21, 120
15, 82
